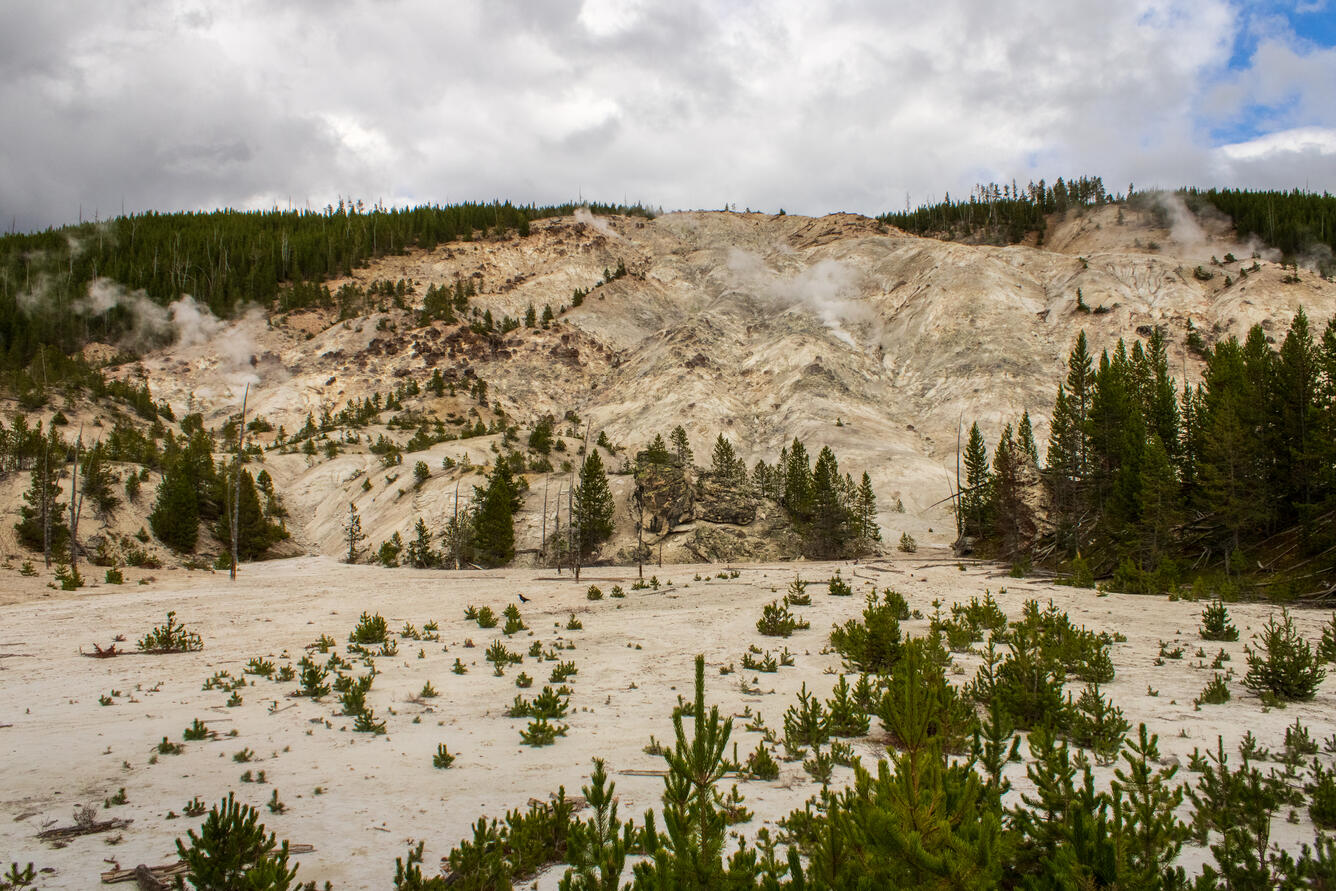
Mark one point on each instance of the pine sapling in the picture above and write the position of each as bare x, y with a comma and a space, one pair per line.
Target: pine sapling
1215, 624
1283, 666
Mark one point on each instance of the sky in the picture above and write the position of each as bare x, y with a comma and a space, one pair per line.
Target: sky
845, 105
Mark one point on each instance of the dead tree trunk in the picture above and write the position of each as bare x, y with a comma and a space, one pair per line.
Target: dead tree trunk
236, 484
76, 508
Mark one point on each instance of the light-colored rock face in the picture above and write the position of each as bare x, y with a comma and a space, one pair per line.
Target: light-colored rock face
837, 330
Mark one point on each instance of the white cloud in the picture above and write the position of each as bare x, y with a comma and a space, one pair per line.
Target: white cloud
688, 103
1318, 140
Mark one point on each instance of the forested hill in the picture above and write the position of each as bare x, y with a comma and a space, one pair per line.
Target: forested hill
224, 259
1301, 225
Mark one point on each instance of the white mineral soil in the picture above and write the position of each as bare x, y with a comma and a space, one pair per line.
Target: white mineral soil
379, 794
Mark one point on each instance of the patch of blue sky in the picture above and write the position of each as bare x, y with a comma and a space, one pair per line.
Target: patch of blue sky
1311, 22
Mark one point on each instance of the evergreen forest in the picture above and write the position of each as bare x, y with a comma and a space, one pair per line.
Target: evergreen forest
1156, 484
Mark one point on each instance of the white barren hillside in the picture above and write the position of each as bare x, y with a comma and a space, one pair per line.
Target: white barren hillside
836, 330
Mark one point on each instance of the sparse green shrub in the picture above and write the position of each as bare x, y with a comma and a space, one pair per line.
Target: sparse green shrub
805, 723
486, 618
1081, 574
311, 678
761, 765
767, 663
232, 852
1216, 691
500, 657
838, 587
573, 624
1321, 790
820, 767
369, 630
514, 622
872, 644
1326, 649
1215, 623
777, 621
1028, 685
844, 716
428, 691
196, 731
259, 666
541, 732
562, 671
1096, 724
18, 876
594, 593
442, 759
115, 577
1283, 665
353, 697
907, 543
1299, 743
170, 638
167, 747
797, 594
366, 722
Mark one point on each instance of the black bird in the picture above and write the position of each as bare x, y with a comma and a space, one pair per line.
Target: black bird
523, 599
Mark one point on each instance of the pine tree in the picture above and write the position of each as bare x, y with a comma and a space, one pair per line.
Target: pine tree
494, 518
922, 821
1080, 384
1159, 502
1064, 462
866, 513
977, 495
352, 532
1150, 835
657, 451
828, 531
797, 483
176, 512
1025, 439
678, 440
725, 464
690, 856
42, 520
255, 533
1299, 426
420, 554
1160, 399
1007, 507
97, 480
592, 507
1230, 466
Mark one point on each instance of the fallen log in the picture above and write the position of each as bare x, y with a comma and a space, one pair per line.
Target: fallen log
84, 829
169, 870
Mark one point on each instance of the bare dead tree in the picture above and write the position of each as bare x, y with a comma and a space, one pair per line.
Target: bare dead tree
76, 506
236, 484
638, 508
542, 548
46, 499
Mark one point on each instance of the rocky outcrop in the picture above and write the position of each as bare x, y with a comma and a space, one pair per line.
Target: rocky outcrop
665, 493
724, 501
769, 536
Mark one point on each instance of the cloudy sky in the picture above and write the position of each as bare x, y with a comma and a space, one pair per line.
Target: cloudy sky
809, 106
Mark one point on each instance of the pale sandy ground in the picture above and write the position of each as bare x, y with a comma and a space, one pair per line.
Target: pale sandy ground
62, 749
